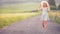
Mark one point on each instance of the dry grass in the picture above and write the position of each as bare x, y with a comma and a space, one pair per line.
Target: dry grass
9, 18
55, 16
15, 14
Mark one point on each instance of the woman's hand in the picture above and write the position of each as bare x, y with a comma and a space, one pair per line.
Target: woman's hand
39, 9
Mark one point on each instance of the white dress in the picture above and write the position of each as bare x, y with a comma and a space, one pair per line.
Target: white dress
44, 15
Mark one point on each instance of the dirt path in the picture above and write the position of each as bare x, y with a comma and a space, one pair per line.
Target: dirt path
32, 26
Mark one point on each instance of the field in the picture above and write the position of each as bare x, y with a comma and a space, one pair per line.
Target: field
16, 8
55, 16
8, 19
10, 13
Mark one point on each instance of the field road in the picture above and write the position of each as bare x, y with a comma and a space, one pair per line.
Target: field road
32, 26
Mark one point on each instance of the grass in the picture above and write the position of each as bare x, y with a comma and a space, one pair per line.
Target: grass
10, 13
16, 8
55, 16
8, 19
57, 20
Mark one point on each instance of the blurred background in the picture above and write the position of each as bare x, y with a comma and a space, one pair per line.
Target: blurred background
16, 10
7, 6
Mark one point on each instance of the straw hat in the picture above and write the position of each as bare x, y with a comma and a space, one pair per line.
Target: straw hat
44, 2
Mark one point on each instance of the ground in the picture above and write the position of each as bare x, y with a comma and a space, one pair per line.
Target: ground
32, 26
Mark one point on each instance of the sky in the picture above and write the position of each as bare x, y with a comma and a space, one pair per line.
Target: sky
21, 1
18, 0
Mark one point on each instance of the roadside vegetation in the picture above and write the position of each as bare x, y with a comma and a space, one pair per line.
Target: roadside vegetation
55, 16
8, 19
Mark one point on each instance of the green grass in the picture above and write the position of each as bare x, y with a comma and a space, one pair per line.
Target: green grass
16, 8
57, 20
8, 11
8, 20
55, 16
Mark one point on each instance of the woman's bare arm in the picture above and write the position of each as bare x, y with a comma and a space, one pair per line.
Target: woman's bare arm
39, 9
49, 8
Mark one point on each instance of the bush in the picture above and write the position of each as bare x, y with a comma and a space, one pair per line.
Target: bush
53, 7
59, 7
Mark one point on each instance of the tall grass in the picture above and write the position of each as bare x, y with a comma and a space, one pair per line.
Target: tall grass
10, 13
55, 16
7, 19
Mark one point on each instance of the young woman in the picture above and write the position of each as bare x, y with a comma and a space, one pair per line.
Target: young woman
45, 7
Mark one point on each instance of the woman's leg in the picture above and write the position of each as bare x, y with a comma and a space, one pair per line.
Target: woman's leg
44, 24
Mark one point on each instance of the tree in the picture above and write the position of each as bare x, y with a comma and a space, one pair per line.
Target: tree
52, 2
59, 7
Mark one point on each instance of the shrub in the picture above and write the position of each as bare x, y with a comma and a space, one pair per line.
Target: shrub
59, 7
53, 7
